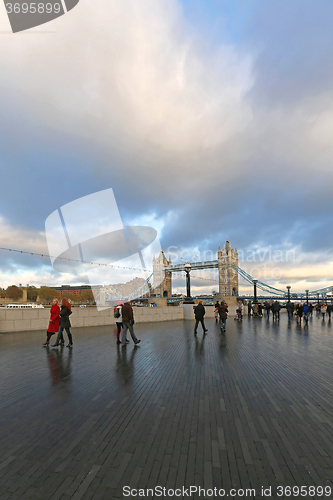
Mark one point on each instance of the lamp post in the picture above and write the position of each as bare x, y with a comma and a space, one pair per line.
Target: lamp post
318, 298
188, 299
307, 296
288, 288
255, 301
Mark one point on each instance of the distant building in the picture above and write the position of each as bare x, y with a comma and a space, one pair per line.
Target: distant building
75, 289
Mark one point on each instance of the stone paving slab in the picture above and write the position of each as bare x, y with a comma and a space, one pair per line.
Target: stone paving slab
248, 409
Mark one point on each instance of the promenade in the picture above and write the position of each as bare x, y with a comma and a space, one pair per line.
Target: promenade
248, 409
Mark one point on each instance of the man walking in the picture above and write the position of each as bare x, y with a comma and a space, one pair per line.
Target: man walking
276, 310
199, 312
128, 322
289, 308
305, 313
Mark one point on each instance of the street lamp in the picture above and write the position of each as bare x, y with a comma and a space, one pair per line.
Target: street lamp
307, 295
318, 298
255, 301
288, 288
188, 299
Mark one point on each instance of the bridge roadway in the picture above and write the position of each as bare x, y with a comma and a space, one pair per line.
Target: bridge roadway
209, 264
250, 408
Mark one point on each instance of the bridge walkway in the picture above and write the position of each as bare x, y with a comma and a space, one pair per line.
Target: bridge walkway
249, 409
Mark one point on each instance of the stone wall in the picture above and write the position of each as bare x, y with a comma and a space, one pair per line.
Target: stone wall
22, 320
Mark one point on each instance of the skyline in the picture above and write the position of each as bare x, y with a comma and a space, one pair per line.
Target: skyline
209, 121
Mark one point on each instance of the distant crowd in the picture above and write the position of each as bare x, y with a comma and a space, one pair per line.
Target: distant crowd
300, 311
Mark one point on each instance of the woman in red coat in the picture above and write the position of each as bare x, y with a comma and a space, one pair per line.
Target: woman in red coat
54, 321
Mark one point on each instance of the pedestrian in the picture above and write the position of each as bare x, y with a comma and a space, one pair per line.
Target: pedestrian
216, 314
329, 310
276, 310
240, 309
255, 309
323, 310
128, 322
260, 309
65, 312
199, 312
223, 312
305, 313
249, 308
289, 308
217, 305
54, 321
299, 310
119, 319
268, 308
310, 309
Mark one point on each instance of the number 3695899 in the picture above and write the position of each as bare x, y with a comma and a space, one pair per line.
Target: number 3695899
33, 8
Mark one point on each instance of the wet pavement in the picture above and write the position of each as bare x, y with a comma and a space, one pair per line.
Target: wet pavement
248, 409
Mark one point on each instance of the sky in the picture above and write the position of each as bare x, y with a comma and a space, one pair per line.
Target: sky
209, 119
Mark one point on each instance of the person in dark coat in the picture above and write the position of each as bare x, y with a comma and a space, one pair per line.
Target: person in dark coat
249, 308
199, 312
276, 310
289, 308
128, 322
54, 321
223, 312
65, 312
260, 309
299, 310
268, 308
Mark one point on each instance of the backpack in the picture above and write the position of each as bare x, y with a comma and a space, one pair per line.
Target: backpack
116, 312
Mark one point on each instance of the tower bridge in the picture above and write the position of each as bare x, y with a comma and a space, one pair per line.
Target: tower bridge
226, 263
228, 272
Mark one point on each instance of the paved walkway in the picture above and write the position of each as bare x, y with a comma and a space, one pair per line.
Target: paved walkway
249, 409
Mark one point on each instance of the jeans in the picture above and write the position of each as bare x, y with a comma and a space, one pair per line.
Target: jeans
223, 323
61, 337
119, 327
130, 328
289, 314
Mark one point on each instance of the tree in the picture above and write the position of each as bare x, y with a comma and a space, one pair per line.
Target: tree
32, 293
46, 294
86, 296
14, 292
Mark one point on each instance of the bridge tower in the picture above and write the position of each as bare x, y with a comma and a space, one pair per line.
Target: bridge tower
164, 289
228, 276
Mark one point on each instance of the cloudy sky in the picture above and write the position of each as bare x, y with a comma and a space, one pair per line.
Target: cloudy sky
208, 118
